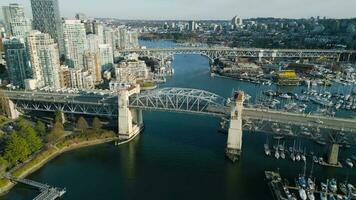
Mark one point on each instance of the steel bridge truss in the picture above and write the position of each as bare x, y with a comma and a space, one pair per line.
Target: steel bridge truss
82, 108
214, 53
181, 100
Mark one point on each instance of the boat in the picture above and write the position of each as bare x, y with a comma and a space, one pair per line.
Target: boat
310, 195
315, 159
323, 196
311, 184
349, 163
324, 191
297, 157
343, 188
283, 155
267, 149
333, 185
276, 154
282, 149
304, 158
321, 160
301, 184
352, 190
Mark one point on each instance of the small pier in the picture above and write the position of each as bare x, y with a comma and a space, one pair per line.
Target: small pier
47, 192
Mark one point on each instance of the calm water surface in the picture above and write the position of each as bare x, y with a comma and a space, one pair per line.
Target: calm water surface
177, 156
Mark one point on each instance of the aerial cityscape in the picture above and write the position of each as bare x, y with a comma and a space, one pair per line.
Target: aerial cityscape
196, 102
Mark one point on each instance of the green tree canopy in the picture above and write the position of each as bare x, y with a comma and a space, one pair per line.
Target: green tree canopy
56, 133
3, 164
40, 128
58, 117
82, 124
30, 135
16, 150
97, 125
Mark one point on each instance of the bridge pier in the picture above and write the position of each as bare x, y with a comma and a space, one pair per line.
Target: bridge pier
130, 120
10, 109
334, 155
234, 140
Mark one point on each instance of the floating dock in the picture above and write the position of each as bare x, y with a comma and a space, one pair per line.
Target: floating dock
47, 192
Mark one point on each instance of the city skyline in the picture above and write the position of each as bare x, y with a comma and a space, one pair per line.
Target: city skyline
201, 9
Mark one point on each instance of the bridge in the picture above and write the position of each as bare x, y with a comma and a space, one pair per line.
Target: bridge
47, 192
219, 52
127, 105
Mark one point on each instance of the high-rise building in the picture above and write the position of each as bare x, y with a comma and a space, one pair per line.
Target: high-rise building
16, 24
98, 29
93, 65
106, 56
80, 16
109, 37
46, 18
93, 43
44, 57
17, 61
236, 21
192, 26
64, 77
74, 43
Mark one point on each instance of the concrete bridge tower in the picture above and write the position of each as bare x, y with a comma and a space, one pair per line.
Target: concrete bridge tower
130, 121
234, 140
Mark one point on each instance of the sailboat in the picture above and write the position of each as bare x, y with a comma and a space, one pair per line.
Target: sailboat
267, 149
292, 156
283, 155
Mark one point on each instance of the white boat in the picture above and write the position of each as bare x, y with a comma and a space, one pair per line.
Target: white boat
297, 157
310, 195
276, 154
283, 155
302, 193
267, 150
333, 185
349, 163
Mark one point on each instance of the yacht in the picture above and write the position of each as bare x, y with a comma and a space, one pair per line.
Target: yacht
352, 190
324, 191
311, 184
349, 163
310, 195
267, 150
276, 154
333, 185
301, 184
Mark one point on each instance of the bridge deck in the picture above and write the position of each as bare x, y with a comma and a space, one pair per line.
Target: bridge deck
333, 123
164, 100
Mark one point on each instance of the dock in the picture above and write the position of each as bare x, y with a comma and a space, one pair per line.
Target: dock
281, 191
47, 192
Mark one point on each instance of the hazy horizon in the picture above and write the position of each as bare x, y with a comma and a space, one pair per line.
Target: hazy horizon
200, 9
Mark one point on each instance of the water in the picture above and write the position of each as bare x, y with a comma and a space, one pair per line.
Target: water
177, 157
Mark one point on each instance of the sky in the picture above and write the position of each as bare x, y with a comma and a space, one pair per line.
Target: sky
201, 9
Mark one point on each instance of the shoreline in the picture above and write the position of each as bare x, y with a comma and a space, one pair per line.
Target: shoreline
55, 152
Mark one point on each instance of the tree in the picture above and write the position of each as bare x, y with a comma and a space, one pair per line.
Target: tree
30, 135
56, 133
58, 117
3, 164
97, 125
82, 124
16, 149
40, 128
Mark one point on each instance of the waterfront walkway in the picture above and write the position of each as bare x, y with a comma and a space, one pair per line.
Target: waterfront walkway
47, 192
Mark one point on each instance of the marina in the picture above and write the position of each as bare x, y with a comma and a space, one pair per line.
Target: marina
308, 189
